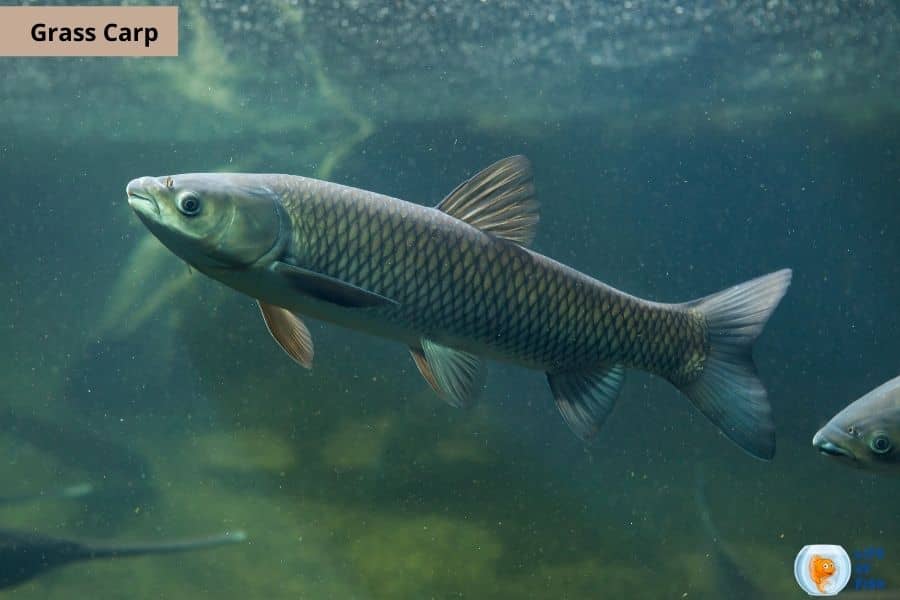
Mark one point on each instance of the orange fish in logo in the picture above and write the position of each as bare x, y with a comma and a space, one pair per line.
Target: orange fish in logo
820, 569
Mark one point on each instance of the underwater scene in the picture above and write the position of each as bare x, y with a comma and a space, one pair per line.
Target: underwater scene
428, 384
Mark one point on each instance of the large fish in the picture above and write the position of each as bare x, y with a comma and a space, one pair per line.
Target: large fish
457, 284
866, 433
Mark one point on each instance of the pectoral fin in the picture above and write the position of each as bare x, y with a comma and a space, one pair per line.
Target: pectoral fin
425, 369
290, 333
586, 399
455, 375
330, 289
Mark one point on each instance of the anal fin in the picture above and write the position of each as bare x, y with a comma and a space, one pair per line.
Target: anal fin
455, 375
290, 333
585, 399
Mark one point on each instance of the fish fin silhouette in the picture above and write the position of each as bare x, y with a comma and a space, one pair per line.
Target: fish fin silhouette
418, 357
290, 333
330, 289
458, 376
586, 399
498, 200
729, 391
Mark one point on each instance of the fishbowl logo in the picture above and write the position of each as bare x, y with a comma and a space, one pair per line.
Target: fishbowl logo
822, 569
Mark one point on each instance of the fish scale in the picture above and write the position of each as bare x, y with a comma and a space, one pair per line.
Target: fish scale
454, 282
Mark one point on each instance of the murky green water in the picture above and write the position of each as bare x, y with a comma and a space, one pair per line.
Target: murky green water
667, 173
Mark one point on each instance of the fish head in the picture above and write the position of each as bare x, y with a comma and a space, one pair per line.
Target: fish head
865, 434
824, 566
211, 220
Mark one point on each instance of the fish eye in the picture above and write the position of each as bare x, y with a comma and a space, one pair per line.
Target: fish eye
851, 430
881, 444
189, 205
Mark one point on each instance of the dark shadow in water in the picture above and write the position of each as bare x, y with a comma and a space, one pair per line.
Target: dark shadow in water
25, 555
534, 510
126, 475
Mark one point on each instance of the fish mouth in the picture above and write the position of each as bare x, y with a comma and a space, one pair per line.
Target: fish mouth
829, 448
142, 202
832, 449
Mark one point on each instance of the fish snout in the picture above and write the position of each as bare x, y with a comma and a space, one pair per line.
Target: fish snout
141, 195
823, 444
143, 186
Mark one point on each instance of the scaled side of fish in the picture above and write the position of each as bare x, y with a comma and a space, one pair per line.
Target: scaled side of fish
457, 284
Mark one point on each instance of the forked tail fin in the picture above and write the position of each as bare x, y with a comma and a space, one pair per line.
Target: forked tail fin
729, 391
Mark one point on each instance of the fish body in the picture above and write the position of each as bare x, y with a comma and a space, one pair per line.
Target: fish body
25, 555
457, 284
460, 287
866, 433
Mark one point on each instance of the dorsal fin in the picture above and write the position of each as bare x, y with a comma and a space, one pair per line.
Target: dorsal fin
498, 200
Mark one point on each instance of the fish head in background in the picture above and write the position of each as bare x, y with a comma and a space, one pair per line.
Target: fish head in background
211, 220
866, 434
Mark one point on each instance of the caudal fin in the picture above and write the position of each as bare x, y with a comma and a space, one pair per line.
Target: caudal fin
729, 391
